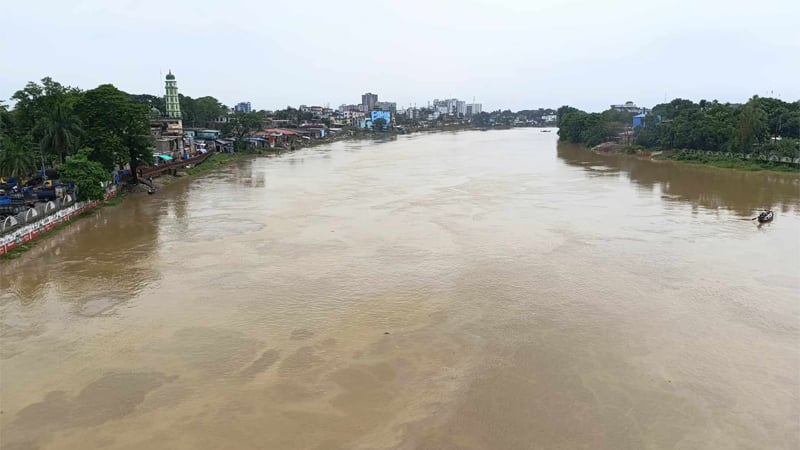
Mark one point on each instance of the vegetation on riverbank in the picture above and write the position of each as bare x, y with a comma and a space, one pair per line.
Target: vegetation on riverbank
23, 248
762, 126
216, 161
50, 122
726, 162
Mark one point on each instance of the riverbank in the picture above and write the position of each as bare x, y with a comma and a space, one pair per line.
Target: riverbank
727, 162
214, 162
28, 237
718, 159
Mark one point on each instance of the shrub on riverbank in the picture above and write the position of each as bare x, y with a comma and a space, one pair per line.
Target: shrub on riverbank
87, 175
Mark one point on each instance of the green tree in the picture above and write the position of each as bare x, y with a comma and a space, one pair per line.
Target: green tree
752, 126
481, 119
88, 176
151, 101
59, 129
562, 112
571, 123
379, 124
200, 112
241, 124
35, 101
116, 128
208, 109
16, 157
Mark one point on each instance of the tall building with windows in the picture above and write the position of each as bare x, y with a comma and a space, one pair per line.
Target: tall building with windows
368, 101
461, 108
472, 109
243, 107
171, 97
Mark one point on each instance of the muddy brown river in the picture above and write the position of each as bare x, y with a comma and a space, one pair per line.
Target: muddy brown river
472, 290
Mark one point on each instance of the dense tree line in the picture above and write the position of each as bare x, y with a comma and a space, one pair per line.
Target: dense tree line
590, 128
202, 111
51, 122
762, 124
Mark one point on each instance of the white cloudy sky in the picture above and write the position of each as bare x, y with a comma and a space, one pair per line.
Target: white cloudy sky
507, 54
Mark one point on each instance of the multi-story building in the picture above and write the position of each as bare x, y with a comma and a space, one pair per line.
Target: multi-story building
630, 107
472, 109
461, 108
243, 107
369, 100
354, 115
359, 108
450, 107
386, 106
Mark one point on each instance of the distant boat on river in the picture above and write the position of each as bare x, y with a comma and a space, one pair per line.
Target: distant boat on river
765, 216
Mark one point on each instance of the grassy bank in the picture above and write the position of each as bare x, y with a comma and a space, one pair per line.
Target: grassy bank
216, 161
727, 162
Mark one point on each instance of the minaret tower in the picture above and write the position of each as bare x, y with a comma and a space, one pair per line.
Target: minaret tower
171, 98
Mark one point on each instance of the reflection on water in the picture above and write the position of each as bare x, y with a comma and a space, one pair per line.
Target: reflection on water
107, 256
740, 191
453, 290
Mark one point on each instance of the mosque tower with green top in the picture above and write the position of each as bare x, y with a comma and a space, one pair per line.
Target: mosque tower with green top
171, 98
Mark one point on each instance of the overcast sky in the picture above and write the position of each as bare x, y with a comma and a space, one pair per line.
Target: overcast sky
513, 54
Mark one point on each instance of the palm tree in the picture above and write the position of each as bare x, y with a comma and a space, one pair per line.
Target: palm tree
60, 130
16, 159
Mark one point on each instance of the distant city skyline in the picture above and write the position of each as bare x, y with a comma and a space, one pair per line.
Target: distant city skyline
511, 55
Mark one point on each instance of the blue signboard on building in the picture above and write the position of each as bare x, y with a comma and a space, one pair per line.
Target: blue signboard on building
385, 115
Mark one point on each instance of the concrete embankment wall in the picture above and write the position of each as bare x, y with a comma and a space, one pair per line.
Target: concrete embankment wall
30, 231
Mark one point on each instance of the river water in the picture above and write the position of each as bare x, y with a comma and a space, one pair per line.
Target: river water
473, 290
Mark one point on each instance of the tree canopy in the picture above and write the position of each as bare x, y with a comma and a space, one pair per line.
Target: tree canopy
379, 124
88, 176
202, 111
241, 124
116, 127
60, 130
16, 157
684, 124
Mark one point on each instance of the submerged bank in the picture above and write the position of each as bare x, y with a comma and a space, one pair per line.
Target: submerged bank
20, 241
728, 162
721, 160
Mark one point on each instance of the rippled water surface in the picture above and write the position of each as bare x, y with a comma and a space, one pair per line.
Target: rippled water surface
477, 290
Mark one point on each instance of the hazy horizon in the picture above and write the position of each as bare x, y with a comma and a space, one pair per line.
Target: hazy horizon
511, 56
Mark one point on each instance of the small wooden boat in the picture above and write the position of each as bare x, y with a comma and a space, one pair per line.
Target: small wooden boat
765, 216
